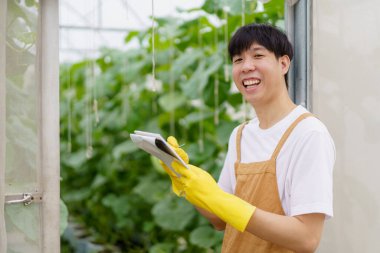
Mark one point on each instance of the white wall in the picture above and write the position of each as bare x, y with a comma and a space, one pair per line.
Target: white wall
346, 96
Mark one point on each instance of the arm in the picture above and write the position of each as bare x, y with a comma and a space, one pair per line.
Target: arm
314, 157
300, 233
218, 223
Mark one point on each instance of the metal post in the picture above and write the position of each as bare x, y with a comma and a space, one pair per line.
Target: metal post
299, 31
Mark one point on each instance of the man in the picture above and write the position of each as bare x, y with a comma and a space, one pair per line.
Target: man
275, 189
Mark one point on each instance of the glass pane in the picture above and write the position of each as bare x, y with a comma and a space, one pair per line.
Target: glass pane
23, 228
346, 94
22, 147
21, 98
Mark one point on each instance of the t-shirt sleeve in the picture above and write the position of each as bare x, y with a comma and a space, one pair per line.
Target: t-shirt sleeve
311, 186
227, 180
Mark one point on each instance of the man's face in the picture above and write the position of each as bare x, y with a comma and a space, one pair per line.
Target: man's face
259, 75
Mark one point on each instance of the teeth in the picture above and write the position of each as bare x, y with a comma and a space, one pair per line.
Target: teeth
251, 82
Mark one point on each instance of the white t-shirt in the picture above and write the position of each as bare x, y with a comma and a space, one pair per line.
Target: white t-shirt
304, 165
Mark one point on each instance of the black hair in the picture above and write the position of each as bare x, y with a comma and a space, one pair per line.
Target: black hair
266, 35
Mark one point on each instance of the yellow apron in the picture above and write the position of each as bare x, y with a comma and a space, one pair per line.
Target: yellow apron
256, 183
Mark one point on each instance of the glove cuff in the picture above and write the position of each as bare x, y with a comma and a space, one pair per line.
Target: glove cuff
234, 211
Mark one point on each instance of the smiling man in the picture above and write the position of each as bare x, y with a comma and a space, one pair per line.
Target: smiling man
275, 189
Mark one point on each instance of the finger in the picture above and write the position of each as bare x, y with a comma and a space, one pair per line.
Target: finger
196, 169
173, 141
184, 156
179, 168
200, 172
167, 169
176, 191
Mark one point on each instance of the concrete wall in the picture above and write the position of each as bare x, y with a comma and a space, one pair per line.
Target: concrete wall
346, 96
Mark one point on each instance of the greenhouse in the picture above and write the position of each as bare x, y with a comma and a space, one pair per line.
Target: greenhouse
79, 78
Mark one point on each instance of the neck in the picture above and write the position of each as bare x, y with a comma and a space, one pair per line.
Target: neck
272, 112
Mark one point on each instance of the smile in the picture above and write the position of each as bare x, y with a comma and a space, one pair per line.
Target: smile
251, 82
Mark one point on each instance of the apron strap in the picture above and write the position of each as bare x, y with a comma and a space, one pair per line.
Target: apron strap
238, 140
287, 133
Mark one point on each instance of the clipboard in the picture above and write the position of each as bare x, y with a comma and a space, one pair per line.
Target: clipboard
157, 146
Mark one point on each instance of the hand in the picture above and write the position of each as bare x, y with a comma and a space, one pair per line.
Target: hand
172, 141
201, 190
177, 185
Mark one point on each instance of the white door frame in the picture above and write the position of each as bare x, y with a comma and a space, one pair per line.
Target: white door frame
49, 131
3, 8
48, 97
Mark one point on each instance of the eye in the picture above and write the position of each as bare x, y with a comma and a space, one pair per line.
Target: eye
259, 55
236, 60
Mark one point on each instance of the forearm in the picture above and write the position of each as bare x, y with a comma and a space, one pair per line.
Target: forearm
214, 220
299, 233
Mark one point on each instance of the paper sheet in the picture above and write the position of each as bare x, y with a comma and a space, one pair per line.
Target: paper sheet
157, 146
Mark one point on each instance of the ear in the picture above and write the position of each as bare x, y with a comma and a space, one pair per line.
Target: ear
285, 64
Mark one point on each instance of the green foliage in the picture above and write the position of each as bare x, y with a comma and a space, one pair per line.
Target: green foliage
63, 214
119, 193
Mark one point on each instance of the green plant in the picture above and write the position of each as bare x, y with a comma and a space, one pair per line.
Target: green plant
119, 193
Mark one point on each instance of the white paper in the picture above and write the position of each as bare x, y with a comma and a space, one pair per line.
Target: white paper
155, 145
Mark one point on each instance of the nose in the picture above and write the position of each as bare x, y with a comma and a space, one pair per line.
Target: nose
248, 65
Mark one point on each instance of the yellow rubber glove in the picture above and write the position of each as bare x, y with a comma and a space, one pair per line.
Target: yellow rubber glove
177, 185
201, 190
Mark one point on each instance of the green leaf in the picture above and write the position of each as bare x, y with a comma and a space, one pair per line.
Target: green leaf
173, 214
119, 205
235, 99
99, 180
162, 248
194, 87
156, 164
184, 61
233, 7
224, 131
205, 237
123, 149
196, 117
78, 195
214, 62
197, 155
210, 6
151, 189
28, 37
172, 101
77, 159
63, 217
132, 70
130, 36
29, 3
275, 6
236, 7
